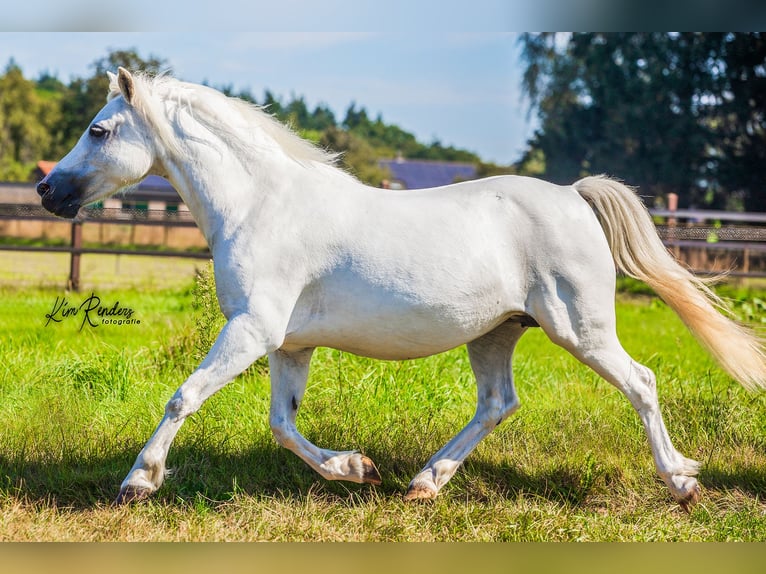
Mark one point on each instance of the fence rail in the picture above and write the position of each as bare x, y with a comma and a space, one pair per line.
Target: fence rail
120, 216
709, 241
178, 218
706, 241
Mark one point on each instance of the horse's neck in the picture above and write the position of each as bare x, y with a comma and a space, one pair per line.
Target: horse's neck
211, 188
220, 192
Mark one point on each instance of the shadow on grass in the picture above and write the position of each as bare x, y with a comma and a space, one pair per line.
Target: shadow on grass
566, 485
81, 484
271, 471
749, 479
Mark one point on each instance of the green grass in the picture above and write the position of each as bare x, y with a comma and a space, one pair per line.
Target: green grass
572, 464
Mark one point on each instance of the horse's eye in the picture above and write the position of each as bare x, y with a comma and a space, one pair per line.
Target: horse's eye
97, 131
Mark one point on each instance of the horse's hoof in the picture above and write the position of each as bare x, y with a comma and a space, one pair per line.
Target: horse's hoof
419, 492
130, 494
690, 499
370, 474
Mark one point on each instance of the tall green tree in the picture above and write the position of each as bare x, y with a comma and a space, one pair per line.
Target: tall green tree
739, 154
28, 118
633, 105
681, 112
272, 104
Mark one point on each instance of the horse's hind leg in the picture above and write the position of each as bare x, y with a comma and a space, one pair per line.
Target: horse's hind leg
289, 372
490, 357
588, 332
638, 383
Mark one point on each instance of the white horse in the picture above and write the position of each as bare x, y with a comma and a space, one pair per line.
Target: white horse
305, 256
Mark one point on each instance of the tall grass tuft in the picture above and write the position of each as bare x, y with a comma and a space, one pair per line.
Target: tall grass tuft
208, 319
188, 348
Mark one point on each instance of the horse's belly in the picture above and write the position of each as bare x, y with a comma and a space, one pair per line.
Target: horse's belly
380, 341
384, 325
386, 338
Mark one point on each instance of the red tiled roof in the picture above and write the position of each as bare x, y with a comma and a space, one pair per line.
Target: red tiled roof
46, 166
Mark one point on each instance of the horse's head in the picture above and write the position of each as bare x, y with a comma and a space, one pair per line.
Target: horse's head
115, 152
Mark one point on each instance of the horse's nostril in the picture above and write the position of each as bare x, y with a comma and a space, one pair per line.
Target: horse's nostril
43, 188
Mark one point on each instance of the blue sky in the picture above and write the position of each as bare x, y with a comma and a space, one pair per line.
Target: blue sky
462, 88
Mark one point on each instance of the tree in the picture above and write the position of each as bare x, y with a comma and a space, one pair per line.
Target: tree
27, 120
740, 124
358, 156
49, 83
297, 112
665, 111
390, 140
272, 104
619, 103
322, 118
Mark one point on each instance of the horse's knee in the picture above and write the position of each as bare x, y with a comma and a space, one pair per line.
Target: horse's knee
181, 405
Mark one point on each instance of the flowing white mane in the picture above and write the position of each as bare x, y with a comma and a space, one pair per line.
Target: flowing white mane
216, 112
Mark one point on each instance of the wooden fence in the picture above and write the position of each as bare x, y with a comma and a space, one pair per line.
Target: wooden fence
715, 241
706, 241
110, 216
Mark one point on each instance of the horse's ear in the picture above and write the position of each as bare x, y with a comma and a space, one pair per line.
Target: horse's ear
127, 87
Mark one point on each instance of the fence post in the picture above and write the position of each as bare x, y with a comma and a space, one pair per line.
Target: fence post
673, 207
74, 261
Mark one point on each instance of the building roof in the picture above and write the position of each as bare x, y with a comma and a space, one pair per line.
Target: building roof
419, 174
45, 167
154, 187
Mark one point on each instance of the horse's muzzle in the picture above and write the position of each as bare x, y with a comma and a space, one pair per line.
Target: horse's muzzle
43, 188
61, 204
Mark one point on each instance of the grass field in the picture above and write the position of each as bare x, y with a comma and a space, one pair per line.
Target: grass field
572, 464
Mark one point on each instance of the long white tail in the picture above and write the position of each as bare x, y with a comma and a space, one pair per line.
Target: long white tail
639, 253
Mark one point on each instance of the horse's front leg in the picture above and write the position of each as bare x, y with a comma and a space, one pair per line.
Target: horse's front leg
242, 341
289, 372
